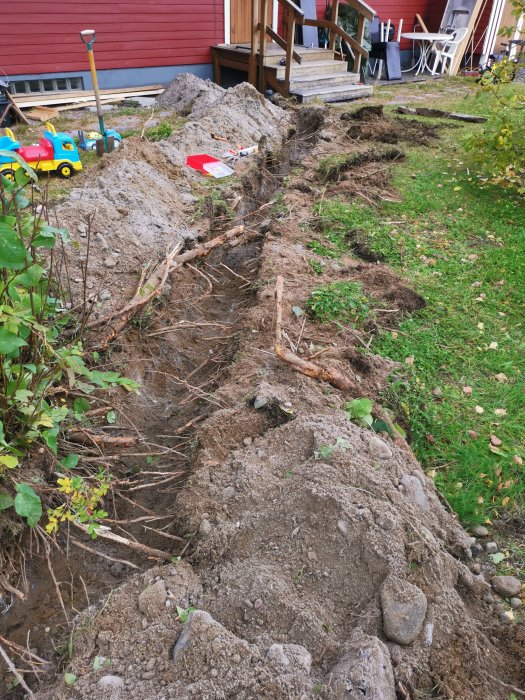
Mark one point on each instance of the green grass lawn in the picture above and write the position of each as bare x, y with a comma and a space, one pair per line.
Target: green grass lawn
460, 391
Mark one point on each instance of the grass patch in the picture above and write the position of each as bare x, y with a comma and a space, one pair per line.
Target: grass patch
332, 167
344, 302
461, 248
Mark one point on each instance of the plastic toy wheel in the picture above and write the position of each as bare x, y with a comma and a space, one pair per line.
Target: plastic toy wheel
65, 170
8, 173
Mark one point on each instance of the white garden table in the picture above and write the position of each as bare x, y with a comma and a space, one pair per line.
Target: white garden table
425, 40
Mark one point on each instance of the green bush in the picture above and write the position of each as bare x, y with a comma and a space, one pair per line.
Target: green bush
35, 357
499, 151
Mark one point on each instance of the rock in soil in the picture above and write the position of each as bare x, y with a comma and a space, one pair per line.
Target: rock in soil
480, 531
508, 586
404, 607
364, 672
491, 547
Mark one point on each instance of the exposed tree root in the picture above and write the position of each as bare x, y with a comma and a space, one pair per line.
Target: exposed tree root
153, 286
106, 534
88, 437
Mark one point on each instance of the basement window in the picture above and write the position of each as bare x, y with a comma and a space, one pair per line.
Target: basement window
35, 87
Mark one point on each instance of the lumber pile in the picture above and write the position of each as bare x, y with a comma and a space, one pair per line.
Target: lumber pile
50, 105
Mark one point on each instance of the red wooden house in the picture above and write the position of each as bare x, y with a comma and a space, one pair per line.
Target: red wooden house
141, 42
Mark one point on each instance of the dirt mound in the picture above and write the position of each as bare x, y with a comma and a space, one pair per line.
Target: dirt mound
371, 124
190, 95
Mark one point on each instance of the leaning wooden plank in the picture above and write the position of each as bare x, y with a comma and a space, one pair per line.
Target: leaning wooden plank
440, 114
16, 108
421, 23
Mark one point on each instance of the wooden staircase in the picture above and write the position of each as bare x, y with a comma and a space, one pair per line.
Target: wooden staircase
307, 73
319, 77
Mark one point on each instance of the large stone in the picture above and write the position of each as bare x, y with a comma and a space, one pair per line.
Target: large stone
404, 607
291, 655
378, 448
507, 586
152, 601
414, 491
364, 672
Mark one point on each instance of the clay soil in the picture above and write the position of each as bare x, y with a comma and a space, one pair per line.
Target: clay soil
289, 550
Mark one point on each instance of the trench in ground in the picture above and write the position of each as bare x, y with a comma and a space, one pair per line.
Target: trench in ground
179, 371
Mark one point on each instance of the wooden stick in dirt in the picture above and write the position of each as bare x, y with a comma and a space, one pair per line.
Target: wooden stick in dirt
310, 369
106, 534
156, 282
101, 554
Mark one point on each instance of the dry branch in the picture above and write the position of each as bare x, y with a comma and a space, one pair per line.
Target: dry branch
310, 369
155, 283
15, 673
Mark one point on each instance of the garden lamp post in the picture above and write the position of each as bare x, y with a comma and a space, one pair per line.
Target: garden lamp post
88, 38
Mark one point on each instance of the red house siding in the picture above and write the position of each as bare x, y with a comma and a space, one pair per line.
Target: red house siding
43, 37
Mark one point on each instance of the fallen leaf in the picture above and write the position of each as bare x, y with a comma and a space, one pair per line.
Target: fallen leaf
518, 460
479, 410
498, 471
430, 438
457, 188
481, 297
497, 451
500, 283
493, 345
495, 440
501, 377
395, 335
472, 434
500, 412
467, 390
481, 326
472, 257
409, 360
505, 501
476, 284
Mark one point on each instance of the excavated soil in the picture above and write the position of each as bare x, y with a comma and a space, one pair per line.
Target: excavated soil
317, 559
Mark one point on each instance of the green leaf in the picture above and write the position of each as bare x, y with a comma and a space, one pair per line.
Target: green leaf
30, 277
9, 461
9, 342
21, 177
69, 461
27, 504
21, 162
100, 662
111, 417
359, 408
325, 451
13, 252
70, 678
45, 239
50, 438
81, 405
497, 558
6, 501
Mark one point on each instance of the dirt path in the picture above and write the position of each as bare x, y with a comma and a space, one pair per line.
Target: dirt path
306, 572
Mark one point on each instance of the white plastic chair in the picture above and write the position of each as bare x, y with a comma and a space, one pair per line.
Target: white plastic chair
446, 52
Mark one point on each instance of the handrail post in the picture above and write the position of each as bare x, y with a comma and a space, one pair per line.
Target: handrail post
289, 50
359, 38
335, 15
252, 65
262, 42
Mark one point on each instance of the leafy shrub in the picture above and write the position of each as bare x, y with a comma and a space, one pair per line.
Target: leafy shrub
499, 151
159, 132
34, 355
344, 302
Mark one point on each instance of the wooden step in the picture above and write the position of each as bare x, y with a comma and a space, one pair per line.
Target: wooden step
305, 82
273, 57
310, 68
333, 93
